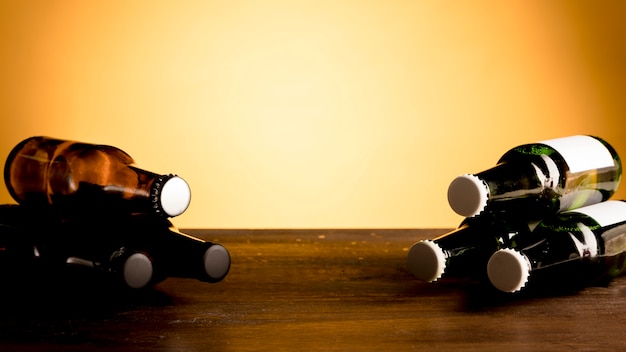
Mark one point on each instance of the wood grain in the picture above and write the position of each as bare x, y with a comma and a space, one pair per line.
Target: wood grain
312, 290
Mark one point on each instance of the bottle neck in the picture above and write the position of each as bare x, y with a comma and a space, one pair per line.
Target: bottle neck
530, 190
513, 180
185, 256
486, 231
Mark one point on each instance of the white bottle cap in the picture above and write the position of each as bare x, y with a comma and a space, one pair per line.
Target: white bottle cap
426, 261
467, 195
175, 196
216, 262
508, 270
137, 270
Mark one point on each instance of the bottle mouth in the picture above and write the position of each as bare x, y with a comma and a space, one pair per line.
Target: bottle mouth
468, 195
137, 271
171, 195
216, 262
426, 260
508, 270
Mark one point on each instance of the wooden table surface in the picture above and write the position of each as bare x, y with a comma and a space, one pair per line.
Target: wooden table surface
313, 290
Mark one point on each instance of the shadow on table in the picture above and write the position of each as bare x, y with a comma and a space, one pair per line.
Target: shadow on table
61, 310
74, 294
480, 296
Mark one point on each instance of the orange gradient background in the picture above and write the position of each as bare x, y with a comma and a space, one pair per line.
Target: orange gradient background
313, 114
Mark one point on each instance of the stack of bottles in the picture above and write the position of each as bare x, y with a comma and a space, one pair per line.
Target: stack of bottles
542, 218
86, 205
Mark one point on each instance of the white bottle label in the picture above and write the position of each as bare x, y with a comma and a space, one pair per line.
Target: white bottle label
582, 153
605, 213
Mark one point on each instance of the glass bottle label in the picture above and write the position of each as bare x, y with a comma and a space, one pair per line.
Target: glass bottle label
605, 213
582, 153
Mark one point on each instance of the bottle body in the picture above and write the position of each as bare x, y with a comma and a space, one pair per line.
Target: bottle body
541, 179
570, 250
464, 252
75, 177
134, 251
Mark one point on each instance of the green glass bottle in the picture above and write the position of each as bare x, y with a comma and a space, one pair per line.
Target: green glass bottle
567, 251
540, 179
465, 251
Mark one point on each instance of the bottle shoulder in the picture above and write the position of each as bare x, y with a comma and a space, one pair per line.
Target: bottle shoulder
543, 157
484, 230
95, 155
46, 149
575, 153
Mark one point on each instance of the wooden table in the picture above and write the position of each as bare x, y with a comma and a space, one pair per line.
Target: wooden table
313, 290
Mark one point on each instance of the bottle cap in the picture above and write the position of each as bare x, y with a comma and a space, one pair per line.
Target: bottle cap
137, 270
216, 262
426, 261
172, 195
508, 270
467, 195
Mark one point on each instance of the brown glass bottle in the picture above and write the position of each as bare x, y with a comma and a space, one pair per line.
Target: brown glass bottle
76, 176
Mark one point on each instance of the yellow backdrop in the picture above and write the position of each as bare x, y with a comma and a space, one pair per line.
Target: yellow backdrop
313, 114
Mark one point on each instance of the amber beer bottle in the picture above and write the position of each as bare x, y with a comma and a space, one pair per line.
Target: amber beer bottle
464, 252
567, 251
81, 176
539, 179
